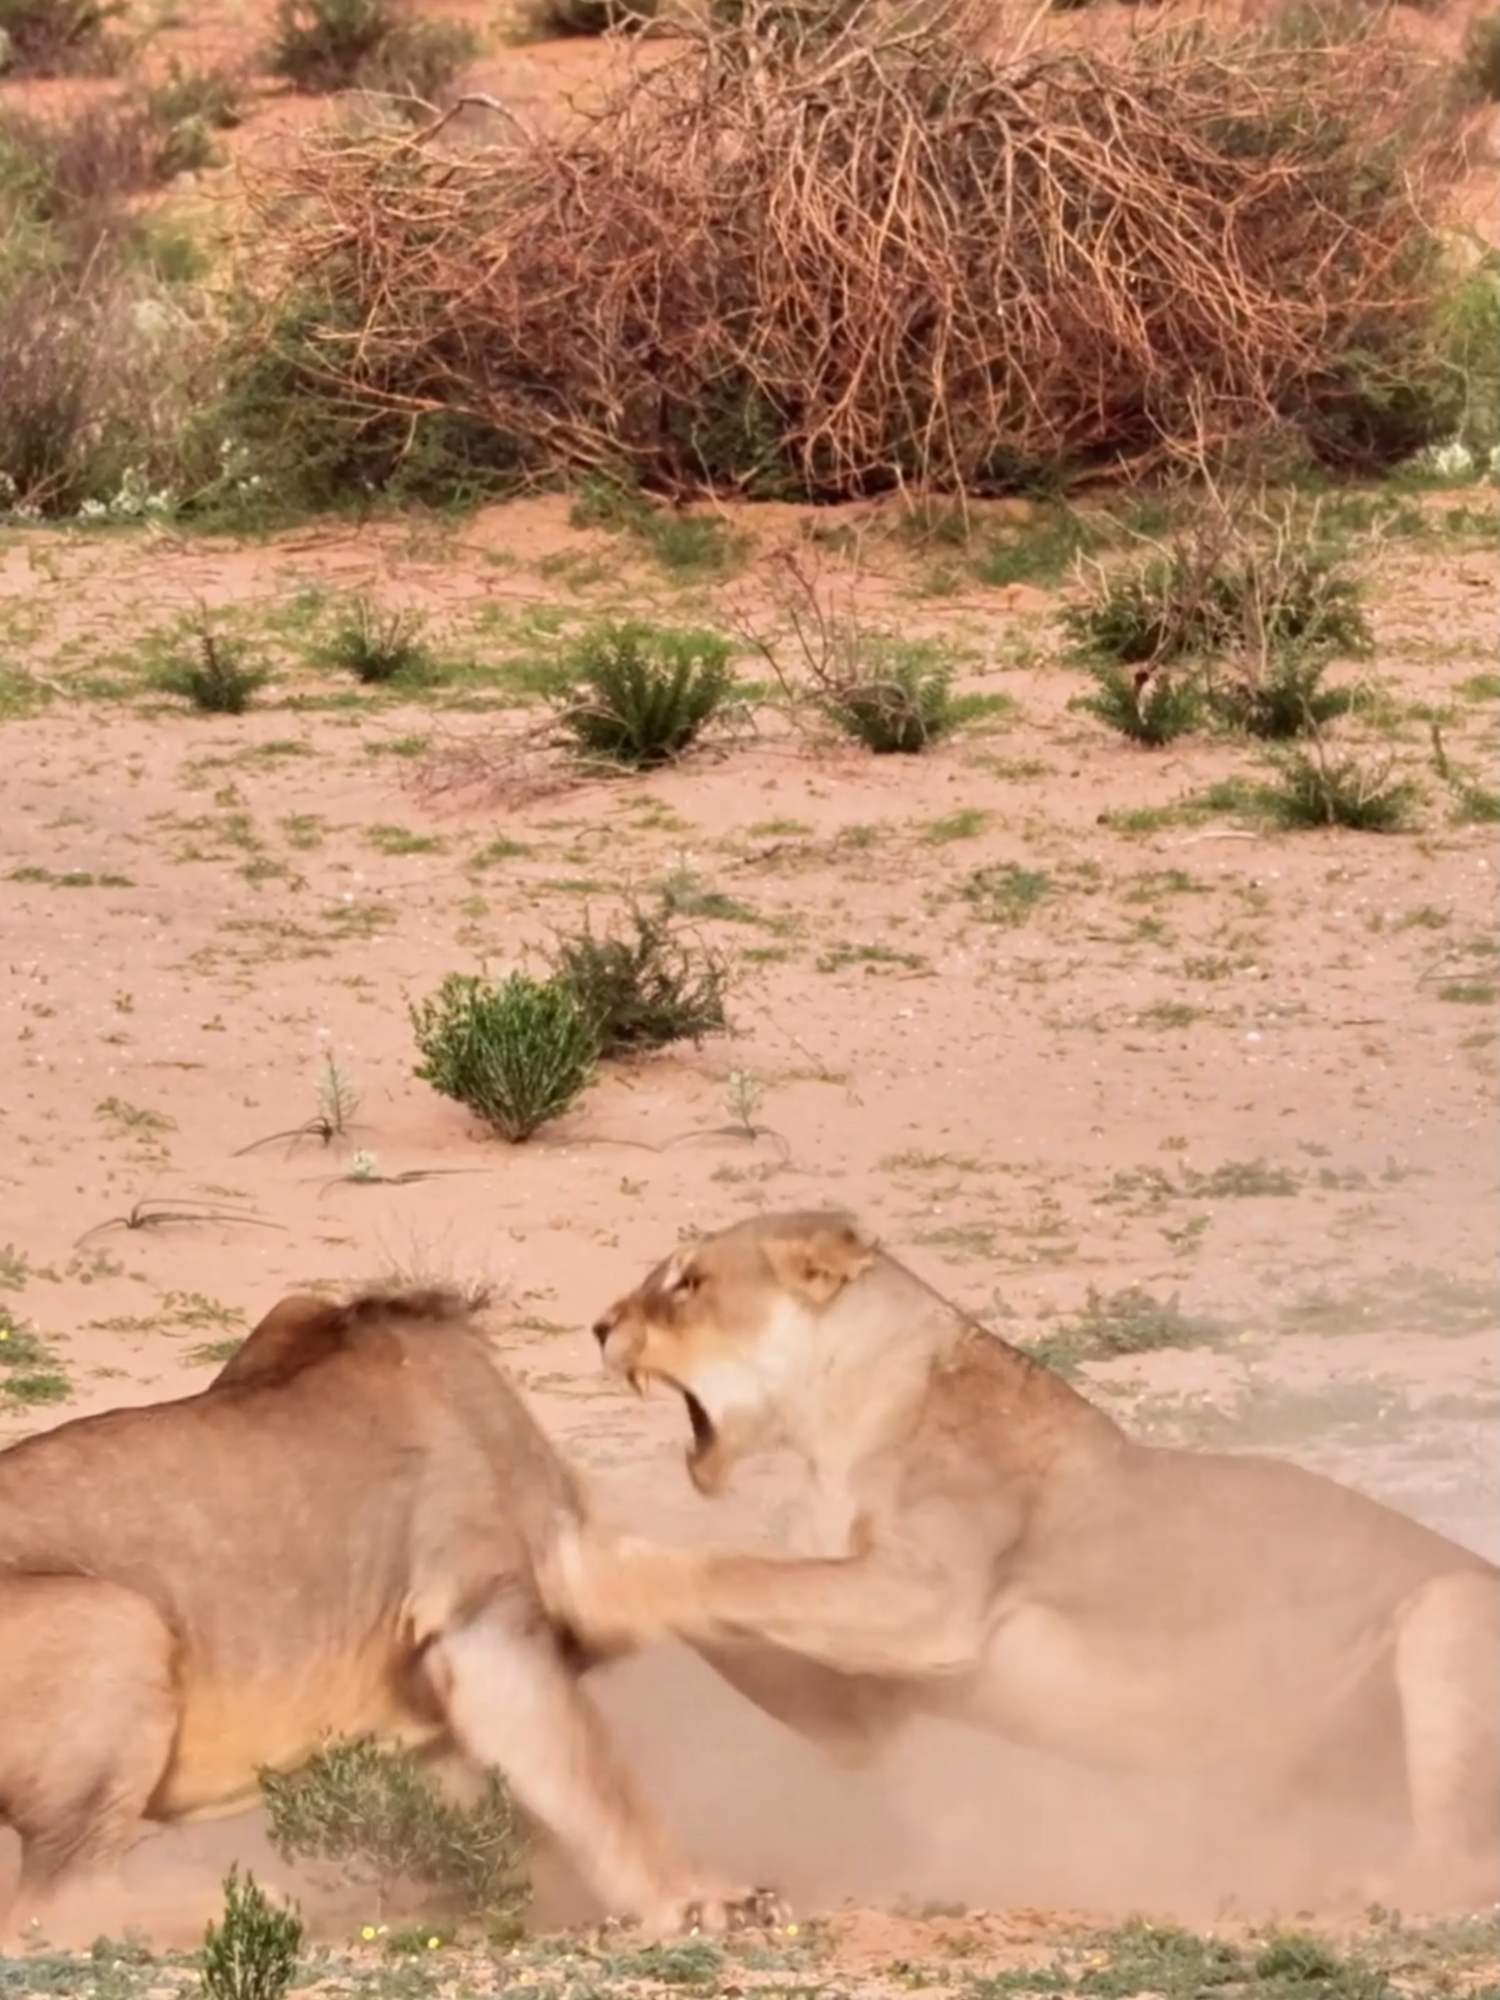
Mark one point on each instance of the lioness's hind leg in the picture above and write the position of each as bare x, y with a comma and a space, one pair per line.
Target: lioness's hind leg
88, 1717
1448, 1673
513, 1704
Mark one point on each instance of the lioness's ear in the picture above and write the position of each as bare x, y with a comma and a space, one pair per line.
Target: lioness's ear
817, 1264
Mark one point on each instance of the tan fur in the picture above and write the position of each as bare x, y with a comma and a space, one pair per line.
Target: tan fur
996, 1550
339, 1536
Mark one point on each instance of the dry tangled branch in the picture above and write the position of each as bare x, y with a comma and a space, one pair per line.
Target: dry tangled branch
775, 262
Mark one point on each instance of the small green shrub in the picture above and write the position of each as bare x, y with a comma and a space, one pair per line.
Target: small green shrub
641, 986
1218, 592
321, 45
1149, 706
216, 679
564, 19
1320, 788
377, 646
640, 695
57, 37
895, 696
187, 108
374, 1812
1479, 60
517, 1054
328, 45
1286, 699
252, 1953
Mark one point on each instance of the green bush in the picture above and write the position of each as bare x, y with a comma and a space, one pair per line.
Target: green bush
517, 1053
378, 647
374, 1812
640, 695
1149, 705
328, 45
216, 678
895, 697
1317, 787
252, 1954
56, 37
641, 986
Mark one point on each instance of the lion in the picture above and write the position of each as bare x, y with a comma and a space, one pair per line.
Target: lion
994, 1549
339, 1536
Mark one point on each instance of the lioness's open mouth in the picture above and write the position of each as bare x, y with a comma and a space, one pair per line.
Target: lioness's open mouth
704, 1434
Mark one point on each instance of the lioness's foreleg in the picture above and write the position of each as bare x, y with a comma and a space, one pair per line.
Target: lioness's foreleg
865, 1614
1448, 1674
513, 1705
88, 1717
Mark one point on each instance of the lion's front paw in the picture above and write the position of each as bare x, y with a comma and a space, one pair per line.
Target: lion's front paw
715, 1912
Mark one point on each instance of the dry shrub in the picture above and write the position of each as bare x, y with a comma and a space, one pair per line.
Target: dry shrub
824, 265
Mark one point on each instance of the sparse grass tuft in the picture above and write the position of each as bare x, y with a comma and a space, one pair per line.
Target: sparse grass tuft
374, 1812
1119, 1323
642, 987
377, 647
1318, 787
1006, 893
1148, 705
217, 679
640, 695
517, 1054
252, 1953
28, 1367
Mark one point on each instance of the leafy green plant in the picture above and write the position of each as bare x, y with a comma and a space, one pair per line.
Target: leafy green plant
373, 1812
377, 646
1006, 893
217, 679
638, 694
516, 1053
1149, 706
252, 1953
641, 985
1317, 787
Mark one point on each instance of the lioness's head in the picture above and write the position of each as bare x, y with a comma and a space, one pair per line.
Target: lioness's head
732, 1323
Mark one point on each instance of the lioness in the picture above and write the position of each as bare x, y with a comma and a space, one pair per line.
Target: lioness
996, 1550
337, 1537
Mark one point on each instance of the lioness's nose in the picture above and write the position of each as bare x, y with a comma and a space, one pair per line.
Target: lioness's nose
603, 1328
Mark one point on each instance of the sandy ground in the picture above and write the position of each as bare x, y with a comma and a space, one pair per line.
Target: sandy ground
1052, 1032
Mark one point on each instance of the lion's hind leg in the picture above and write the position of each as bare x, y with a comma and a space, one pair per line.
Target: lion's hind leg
514, 1705
88, 1717
1447, 1669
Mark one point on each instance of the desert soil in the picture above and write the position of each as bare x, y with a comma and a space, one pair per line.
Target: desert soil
1030, 1003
